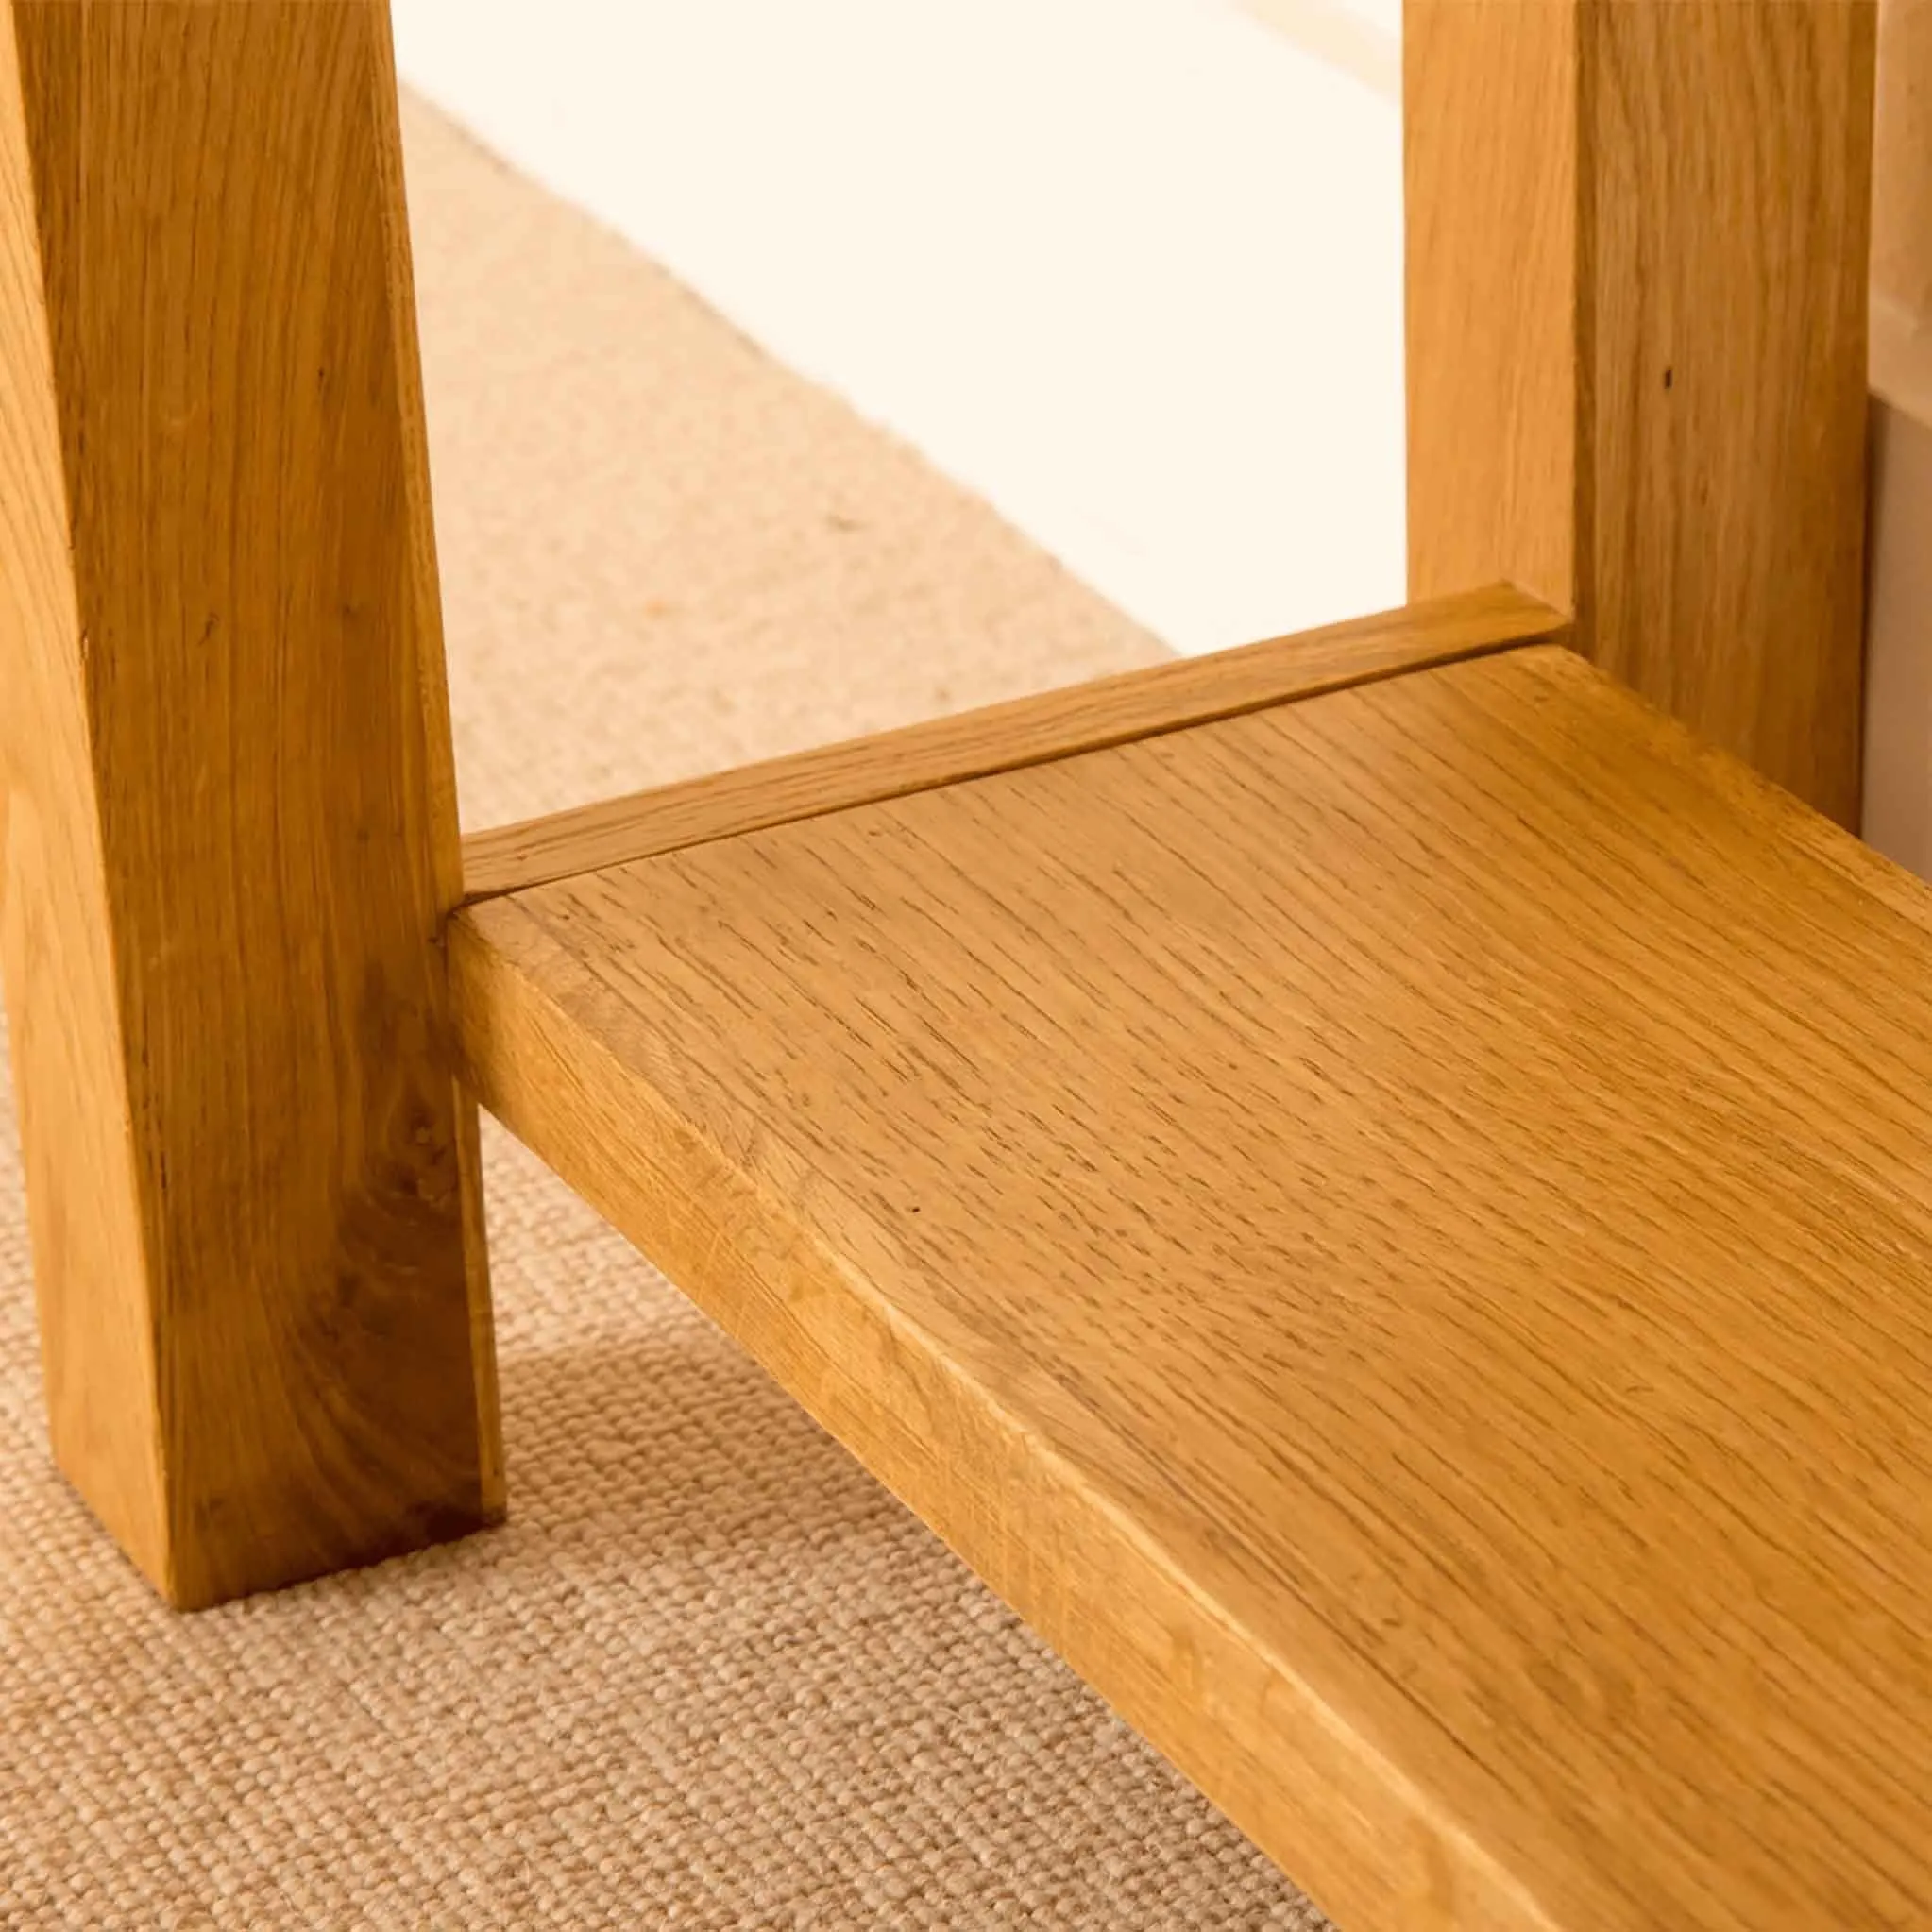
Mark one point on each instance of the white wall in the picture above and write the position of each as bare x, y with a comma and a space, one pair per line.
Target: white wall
1130, 268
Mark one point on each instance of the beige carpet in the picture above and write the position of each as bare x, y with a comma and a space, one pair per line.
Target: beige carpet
709, 1675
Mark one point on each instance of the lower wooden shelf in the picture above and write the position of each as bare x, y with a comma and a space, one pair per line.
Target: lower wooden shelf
1395, 1227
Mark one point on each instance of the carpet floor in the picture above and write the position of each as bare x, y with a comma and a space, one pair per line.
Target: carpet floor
709, 1674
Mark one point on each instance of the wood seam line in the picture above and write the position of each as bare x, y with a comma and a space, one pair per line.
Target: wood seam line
927, 757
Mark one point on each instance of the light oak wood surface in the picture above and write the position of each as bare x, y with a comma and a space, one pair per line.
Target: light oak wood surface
229, 818
1397, 1229
1490, 135
1637, 252
1025, 731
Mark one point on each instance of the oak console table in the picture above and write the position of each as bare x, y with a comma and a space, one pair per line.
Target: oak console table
1377, 1186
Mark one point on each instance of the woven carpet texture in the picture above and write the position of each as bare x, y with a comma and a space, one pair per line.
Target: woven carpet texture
709, 1674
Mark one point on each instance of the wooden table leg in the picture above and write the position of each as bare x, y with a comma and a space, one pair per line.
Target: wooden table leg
1638, 250
229, 821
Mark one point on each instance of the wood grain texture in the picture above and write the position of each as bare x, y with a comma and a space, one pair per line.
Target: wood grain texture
1394, 1229
228, 828
1000, 737
1637, 245
1489, 131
